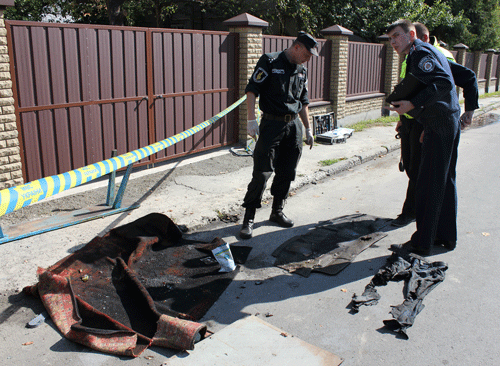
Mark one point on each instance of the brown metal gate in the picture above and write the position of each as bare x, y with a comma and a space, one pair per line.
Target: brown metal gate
81, 91
365, 69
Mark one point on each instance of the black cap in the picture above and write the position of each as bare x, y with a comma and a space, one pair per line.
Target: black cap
309, 42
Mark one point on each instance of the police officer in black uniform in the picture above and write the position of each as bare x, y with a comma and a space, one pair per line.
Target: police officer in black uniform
437, 108
410, 130
280, 82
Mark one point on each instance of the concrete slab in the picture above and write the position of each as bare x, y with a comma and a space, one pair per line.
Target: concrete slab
253, 342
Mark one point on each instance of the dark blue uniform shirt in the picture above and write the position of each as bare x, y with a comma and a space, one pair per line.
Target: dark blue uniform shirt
281, 85
438, 100
466, 79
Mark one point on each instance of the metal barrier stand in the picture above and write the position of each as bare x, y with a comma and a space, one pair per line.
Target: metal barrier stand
76, 217
14, 198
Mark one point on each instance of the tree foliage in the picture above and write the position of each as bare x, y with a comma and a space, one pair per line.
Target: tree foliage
483, 31
473, 22
31, 10
78, 11
369, 18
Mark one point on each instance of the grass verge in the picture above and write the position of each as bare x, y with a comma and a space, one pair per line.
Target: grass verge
487, 95
382, 121
329, 162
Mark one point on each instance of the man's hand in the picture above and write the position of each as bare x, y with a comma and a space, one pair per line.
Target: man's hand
253, 128
398, 126
466, 119
309, 138
401, 106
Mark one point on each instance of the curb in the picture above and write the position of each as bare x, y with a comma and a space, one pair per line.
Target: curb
342, 166
487, 109
346, 165
322, 173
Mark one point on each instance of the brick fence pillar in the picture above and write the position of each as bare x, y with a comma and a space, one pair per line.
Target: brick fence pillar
477, 62
489, 64
392, 67
461, 52
460, 59
10, 159
249, 29
497, 72
338, 73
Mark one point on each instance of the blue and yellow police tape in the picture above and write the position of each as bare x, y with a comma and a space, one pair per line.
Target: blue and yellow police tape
14, 198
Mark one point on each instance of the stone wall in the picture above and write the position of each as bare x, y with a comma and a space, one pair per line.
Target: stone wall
10, 159
319, 110
363, 105
481, 85
250, 47
338, 72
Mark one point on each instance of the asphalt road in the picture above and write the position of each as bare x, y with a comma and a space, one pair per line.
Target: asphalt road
458, 325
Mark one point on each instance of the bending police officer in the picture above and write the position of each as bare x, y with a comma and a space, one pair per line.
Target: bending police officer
280, 82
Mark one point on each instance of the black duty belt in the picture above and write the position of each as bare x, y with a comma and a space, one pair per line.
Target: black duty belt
285, 118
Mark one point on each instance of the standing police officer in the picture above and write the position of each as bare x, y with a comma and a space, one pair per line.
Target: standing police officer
410, 130
437, 108
280, 81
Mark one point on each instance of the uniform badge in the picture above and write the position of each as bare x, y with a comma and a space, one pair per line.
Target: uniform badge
426, 64
259, 75
278, 71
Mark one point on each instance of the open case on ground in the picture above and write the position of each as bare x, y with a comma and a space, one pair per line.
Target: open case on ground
326, 130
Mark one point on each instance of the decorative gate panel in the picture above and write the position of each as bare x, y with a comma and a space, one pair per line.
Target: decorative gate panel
82, 91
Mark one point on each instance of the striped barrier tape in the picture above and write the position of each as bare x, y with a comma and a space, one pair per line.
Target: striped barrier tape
14, 198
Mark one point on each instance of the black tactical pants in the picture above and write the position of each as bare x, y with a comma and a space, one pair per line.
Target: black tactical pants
278, 150
436, 192
410, 151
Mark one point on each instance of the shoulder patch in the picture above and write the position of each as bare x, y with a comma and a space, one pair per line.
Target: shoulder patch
259, 75
427, 64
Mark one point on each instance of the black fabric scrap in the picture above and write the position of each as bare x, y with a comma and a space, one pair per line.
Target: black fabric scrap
331, 246
420, 277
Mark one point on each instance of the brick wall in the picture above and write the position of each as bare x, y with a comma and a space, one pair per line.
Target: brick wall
338, 84
250, 50
481, 85
316, 111
363, 105
10, 158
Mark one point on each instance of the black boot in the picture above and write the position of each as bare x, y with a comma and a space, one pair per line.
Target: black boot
278, 216
247, 227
